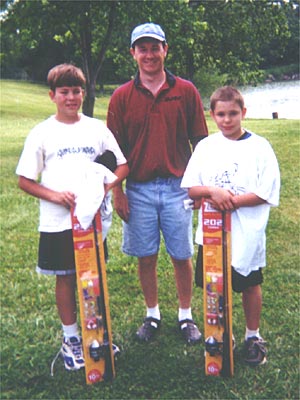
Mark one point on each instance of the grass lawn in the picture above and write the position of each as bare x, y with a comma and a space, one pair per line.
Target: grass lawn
165, 368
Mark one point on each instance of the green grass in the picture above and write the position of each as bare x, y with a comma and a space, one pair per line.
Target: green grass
165, 368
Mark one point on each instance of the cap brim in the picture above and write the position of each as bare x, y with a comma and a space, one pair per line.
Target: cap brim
149, 35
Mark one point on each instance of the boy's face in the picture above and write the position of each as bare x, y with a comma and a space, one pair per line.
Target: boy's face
228, 116
68, 101
150, 55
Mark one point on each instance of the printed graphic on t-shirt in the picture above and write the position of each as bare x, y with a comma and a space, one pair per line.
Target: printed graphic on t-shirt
226, 180
75, 150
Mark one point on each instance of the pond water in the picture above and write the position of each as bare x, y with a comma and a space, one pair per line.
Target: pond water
276, 97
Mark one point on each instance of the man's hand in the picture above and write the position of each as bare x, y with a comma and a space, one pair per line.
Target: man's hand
121, 203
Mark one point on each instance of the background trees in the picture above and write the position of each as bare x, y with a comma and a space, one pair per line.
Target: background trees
228, 39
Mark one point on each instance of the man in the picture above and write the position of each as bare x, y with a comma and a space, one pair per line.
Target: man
155, 118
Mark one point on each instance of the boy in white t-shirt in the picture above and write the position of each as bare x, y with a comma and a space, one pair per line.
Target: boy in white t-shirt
54, 155
237, 170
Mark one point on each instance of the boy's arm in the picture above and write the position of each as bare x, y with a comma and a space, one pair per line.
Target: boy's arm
219, 198
223, 199
30, 186
247, 200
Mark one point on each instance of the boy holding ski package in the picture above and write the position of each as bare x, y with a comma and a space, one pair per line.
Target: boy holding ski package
51, 166
236, 170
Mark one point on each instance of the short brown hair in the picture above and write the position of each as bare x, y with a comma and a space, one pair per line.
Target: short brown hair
65, 75
226, 93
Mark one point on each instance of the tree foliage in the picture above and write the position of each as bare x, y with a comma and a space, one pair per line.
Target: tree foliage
230, 38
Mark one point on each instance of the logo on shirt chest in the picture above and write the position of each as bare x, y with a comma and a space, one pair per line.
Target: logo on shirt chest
173, 98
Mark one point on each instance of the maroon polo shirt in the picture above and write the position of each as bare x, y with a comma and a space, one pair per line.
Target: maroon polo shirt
155, 132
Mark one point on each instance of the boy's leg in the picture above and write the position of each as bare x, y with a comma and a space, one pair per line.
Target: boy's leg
254, 346
65, 298
252, 304
66, 304
250, 287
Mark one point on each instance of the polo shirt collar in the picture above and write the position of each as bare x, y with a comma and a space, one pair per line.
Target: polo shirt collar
169, 76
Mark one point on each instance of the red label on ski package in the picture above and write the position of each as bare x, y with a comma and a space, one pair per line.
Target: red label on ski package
83, 244
90, 268
94, 376
78, 231
213, 369
212, 241
212, 222
216, 227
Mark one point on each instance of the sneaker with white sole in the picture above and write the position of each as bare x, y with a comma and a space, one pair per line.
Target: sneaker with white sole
189, 331
148, 330
72, 354
116, 350
255, 351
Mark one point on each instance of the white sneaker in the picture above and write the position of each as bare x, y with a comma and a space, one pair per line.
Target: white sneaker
71, 351
116, 350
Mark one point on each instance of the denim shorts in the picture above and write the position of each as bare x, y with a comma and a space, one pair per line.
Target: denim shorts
156, 207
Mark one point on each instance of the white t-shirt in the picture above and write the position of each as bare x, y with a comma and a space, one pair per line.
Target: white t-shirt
55, 152
242, 166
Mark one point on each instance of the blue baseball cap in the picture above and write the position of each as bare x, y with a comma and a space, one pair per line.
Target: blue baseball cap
148, 30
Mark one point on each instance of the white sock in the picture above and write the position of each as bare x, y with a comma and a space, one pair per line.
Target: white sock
249, 333
184, 313
153, 312
70, 330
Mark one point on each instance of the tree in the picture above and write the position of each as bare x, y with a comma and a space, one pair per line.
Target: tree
238, 32
65, 26
228, 38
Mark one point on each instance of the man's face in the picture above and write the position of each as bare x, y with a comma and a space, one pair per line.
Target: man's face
150, 55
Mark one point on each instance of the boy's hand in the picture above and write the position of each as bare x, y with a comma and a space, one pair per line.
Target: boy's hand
66, 199
221, 199
197, 204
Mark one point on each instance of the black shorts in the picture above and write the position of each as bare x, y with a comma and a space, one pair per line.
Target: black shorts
56, 253
239, 282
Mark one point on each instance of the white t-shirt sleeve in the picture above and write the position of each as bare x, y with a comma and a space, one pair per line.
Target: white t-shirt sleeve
109, 143
268, 181
192, 174
31, 162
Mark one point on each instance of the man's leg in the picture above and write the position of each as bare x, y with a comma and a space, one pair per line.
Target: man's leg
148, 279
184, 283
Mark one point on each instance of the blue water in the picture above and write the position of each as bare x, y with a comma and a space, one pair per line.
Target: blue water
280, 97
